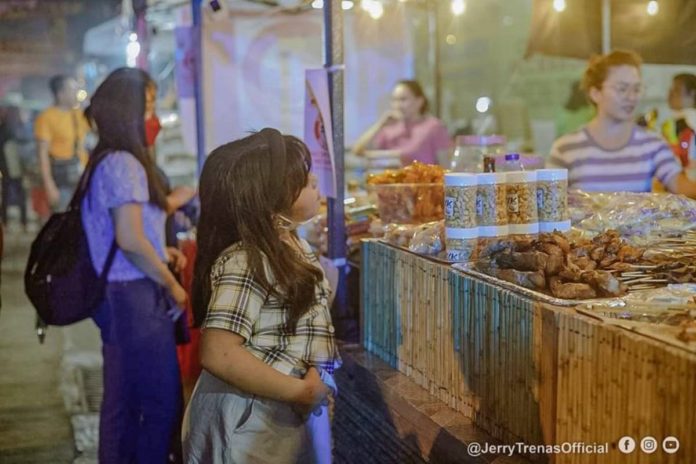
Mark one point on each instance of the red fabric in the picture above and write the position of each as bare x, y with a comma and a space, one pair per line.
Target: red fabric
188, 354
39, 203
152, 130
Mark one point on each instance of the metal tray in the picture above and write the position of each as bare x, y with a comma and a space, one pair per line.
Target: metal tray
468, 268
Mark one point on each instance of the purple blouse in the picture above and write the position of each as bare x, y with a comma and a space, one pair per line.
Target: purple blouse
119, 179
419, 141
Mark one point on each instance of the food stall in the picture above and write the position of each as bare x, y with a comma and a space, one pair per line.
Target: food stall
597, 346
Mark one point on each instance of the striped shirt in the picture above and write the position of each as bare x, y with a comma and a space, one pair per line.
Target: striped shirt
239, 304
630, 168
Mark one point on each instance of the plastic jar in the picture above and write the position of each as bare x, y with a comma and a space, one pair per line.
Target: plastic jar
461, 244
471, 150
552, 200
523, 216
491, 202
460, 200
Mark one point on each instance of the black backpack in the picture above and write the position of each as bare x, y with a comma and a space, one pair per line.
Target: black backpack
60, 280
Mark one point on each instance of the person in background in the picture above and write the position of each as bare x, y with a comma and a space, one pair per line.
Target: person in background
126, 205
577, 111
267, 349
18, 153
60, 132
679, 129
407, 127
611, 153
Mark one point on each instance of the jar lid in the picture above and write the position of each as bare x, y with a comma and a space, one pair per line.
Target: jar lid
459, 179
552, 174
517, 177
461, 234
516, 229
481, 140
493, 231
489, 178
561, 226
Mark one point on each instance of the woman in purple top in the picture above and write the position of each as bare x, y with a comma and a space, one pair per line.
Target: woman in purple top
407, 127
126, 203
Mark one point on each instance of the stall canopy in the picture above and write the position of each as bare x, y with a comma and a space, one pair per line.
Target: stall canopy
662, 32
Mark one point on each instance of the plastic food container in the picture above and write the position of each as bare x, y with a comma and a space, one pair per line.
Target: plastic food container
409, 203
460, 200
461, 244
491, 204
523, 216
552, 200
472, 149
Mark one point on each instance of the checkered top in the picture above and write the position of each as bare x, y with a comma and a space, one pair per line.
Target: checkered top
239, 304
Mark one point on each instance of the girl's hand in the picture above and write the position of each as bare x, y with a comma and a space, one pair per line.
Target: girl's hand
179, 294
314, 393
176, 258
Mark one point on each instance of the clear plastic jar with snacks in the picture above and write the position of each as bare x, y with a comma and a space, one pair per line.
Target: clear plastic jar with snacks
460, 200
461, 244
472, 150
491, 202
552, 200
523, 216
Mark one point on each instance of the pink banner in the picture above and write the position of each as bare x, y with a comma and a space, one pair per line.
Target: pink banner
318, 130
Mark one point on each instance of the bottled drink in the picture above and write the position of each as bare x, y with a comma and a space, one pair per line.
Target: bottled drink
512, 163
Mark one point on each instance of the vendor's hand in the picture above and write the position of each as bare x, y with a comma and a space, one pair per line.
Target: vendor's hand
391, 116
52, 194
179, 294
315, 393
176, 258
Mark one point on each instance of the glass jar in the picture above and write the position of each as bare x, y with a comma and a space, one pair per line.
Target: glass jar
523, 216
461, 244
460, 200
471, 151
552, 200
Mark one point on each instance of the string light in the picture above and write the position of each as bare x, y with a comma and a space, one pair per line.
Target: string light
318, 4
347, 4
653, 8
458, 7
373, 8
559, 5
483, 104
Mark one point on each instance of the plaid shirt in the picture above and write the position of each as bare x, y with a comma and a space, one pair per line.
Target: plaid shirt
239, 304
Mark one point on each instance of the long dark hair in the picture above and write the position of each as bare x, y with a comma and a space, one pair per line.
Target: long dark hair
117, 109
243, 186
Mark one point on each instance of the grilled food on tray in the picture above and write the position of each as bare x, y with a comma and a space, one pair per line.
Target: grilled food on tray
578, 270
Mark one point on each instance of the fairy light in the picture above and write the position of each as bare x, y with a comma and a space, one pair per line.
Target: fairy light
559, 5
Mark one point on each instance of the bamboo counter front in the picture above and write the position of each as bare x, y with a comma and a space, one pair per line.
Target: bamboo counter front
523, 370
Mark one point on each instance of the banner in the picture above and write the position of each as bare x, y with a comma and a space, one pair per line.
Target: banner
318, 133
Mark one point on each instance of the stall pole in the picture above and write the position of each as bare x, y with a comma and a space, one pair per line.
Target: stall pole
606, 26
140, 10
333, 61
198, 81
435, 58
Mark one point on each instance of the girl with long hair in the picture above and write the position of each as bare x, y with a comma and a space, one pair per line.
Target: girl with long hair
126, 205
267, 347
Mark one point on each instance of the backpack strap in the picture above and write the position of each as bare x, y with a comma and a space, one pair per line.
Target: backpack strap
109, 261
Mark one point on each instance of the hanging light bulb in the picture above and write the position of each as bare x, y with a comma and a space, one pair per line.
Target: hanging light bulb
653, 7
458, 7
318, 4
373, 8
483, 104
347, 4
559, 5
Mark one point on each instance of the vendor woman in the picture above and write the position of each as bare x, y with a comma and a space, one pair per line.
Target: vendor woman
407, 127
611, 153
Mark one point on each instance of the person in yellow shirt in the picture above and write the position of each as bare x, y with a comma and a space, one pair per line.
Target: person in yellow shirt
60, 133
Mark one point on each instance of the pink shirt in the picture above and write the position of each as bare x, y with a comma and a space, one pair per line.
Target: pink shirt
419, 141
